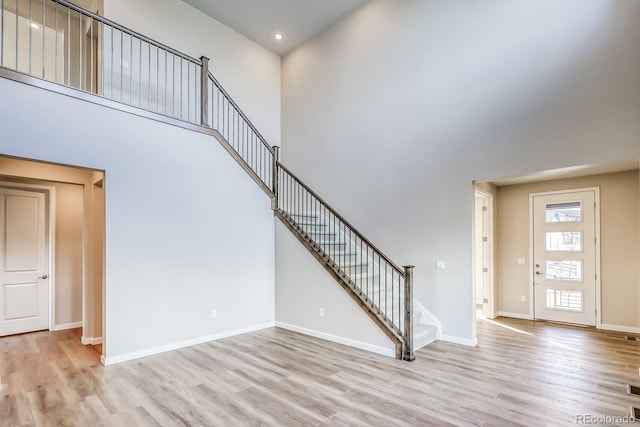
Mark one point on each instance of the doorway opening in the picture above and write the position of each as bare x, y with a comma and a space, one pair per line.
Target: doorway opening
52, 253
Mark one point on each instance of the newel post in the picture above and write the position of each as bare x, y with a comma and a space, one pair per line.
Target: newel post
274, 177
204, 91
408, 313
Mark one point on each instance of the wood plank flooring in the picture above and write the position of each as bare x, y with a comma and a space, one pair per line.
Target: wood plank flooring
522, 373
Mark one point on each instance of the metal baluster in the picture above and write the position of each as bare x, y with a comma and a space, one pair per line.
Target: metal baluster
333, 247
380, 286
166, 82
94, 90
80, 64
17, 34
385, 290
189, 92
121, 64
173, 86
44, 25
56, 47
369, 283
274, 171
139, 73
289, 189
30, 31
215, 109
157, 79
2, 35
68, 47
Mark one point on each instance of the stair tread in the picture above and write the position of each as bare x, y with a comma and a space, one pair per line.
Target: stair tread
424, 331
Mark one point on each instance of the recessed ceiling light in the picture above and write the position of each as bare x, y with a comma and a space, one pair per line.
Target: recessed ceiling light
34, 25
278, 36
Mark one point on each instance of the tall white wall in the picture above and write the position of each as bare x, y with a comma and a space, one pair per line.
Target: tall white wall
248, 72
392, 113
187, 230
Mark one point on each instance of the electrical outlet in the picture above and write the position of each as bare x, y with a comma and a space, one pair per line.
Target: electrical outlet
523, 298
214, 314
321, 312
440, 265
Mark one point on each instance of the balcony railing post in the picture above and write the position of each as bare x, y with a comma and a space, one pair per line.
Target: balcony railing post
408, 313
204, 91
274, 177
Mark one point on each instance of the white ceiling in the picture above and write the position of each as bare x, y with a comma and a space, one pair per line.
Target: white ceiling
260, 20
571, 172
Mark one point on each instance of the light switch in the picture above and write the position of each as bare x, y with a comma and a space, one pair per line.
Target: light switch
522, 261
440, 265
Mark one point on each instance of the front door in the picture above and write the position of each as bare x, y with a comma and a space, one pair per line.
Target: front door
24, 260
564, 257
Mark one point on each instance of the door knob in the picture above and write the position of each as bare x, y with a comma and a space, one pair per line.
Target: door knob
538, 273
43, 277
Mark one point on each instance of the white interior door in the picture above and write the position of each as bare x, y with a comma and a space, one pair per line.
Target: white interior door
564, 257
24, 261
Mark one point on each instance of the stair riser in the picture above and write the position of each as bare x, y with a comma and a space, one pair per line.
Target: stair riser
300, 218
351, 269
330, 248
315, 228
324, 237
344, 258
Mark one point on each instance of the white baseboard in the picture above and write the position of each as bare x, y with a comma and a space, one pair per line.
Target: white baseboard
457, 340
618, 328
514, 315
65, 326
340, 340
112, 360
91, 341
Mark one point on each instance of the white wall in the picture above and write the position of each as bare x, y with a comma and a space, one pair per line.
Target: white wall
392, 113
247, 71
303, 286
187, 230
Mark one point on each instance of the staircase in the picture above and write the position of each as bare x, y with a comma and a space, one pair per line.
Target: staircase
382, 289
359, 274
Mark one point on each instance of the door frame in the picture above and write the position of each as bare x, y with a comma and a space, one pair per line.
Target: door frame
596, 191
50, 213
489, 310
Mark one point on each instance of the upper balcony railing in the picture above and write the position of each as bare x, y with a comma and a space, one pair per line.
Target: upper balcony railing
62, 43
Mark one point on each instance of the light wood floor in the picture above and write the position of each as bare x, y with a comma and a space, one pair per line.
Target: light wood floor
521, 373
